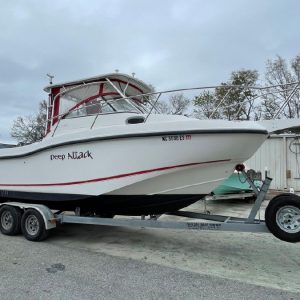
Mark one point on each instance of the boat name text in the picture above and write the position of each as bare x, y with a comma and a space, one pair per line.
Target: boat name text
72, 155
175, 138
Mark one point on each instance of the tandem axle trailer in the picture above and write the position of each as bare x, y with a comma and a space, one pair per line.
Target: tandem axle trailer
282, 218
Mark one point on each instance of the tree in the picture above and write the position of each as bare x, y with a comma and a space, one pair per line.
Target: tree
238, 102
232, 102
30, 129
295, 65
176, 105
281, 74
205, 104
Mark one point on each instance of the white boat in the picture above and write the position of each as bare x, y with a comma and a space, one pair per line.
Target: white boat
106, 152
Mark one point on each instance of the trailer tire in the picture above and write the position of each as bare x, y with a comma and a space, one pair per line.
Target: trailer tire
33, 226
10, 220
282, 217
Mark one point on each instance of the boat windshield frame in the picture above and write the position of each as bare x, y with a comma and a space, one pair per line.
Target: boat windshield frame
139, 103
133, 103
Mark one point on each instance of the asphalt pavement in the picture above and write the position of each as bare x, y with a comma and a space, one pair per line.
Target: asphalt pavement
49, 271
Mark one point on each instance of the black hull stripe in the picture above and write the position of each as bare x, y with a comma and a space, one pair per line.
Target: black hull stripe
107, 204
139, 135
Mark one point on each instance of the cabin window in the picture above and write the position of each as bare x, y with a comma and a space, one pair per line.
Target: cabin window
92, 107
103, 105
123, 105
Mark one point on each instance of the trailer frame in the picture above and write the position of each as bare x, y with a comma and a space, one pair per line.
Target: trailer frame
197, 221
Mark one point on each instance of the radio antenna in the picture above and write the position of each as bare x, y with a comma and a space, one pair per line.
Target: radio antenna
50, 77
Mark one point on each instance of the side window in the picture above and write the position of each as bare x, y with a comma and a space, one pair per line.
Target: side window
77, 112
93, 107
122, 105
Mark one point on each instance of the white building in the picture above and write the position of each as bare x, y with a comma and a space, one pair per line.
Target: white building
280, 155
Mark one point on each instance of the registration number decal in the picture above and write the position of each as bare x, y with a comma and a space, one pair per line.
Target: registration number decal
176, 138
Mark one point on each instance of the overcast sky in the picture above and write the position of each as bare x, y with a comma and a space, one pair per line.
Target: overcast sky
170, 44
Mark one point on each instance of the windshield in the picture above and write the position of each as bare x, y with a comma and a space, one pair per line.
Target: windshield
104, 105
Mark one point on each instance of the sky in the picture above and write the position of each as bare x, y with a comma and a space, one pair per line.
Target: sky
169, 44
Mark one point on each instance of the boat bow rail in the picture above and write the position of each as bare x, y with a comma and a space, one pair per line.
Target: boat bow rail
97, 99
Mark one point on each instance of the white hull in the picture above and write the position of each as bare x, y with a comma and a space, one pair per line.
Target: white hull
145, 164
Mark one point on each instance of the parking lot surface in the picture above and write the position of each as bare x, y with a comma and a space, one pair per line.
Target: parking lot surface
101, 262
48, 271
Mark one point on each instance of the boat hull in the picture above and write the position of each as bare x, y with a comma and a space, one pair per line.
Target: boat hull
168, 170
107, 205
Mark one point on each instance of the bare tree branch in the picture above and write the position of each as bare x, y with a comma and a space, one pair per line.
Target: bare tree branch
30, 129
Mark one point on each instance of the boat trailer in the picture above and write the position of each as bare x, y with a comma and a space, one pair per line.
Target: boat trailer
282, 218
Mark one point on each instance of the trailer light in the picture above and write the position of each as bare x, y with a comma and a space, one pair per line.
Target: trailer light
52, 221
240, 167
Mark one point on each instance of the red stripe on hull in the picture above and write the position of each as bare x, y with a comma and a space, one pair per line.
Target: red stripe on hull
118, 176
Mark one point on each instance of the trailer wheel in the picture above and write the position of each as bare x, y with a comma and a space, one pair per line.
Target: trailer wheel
283, 217
10, 220
33, 226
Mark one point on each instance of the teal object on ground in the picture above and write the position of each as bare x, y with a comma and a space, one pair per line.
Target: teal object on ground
234, 184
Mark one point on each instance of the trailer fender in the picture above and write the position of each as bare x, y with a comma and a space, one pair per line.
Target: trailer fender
47, 214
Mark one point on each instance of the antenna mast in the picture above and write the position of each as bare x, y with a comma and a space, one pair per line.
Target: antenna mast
50, 77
